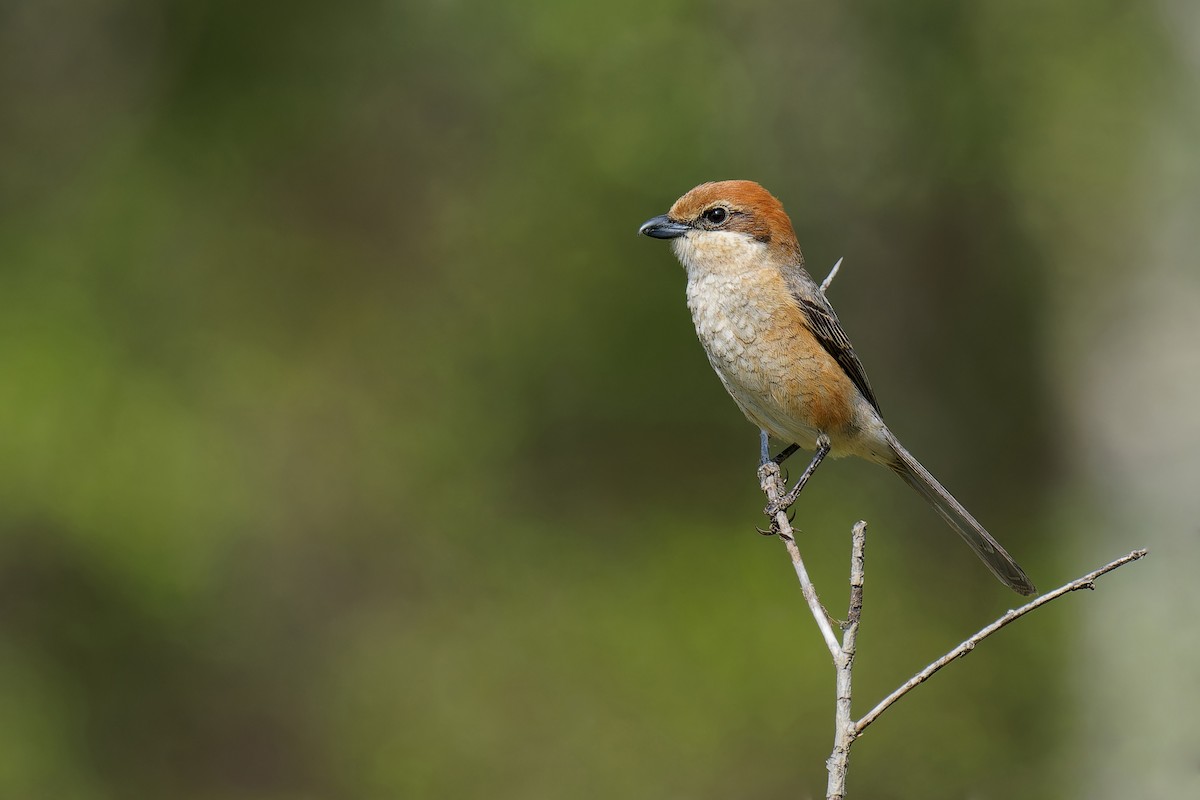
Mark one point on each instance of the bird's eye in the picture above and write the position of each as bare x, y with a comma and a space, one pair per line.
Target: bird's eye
716, 215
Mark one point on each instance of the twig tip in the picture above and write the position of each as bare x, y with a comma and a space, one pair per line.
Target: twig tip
832, 274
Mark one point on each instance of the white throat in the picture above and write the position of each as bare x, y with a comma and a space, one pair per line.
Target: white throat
724, 253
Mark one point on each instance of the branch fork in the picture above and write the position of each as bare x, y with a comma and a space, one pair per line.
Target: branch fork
842, 650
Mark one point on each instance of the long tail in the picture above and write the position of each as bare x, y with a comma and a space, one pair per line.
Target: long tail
988, 549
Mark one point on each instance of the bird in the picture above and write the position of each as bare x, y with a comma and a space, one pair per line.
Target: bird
779, 349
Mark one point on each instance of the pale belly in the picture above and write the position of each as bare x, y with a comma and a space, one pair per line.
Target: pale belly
772, 371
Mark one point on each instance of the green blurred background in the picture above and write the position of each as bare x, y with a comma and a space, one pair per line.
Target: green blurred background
353, 446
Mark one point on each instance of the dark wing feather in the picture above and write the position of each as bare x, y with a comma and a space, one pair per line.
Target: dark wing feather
828, 330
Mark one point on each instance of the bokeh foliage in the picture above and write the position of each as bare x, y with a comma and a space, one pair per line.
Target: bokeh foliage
354, 446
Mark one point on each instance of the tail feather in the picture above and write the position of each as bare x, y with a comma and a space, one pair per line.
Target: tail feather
988, 549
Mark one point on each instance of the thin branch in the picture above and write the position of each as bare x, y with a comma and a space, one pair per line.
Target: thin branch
844, 730
771, 481
1086, 582
832, 274
858, 575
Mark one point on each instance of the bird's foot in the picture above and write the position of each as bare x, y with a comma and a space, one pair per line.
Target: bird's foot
774, 528
793, 494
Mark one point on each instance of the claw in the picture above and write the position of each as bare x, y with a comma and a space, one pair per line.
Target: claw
774, 508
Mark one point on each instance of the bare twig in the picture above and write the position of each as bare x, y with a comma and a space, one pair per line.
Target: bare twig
1086, 582
847, 730
844, 730
771, 481
832, 274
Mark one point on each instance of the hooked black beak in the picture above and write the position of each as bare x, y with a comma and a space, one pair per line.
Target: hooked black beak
663, 227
